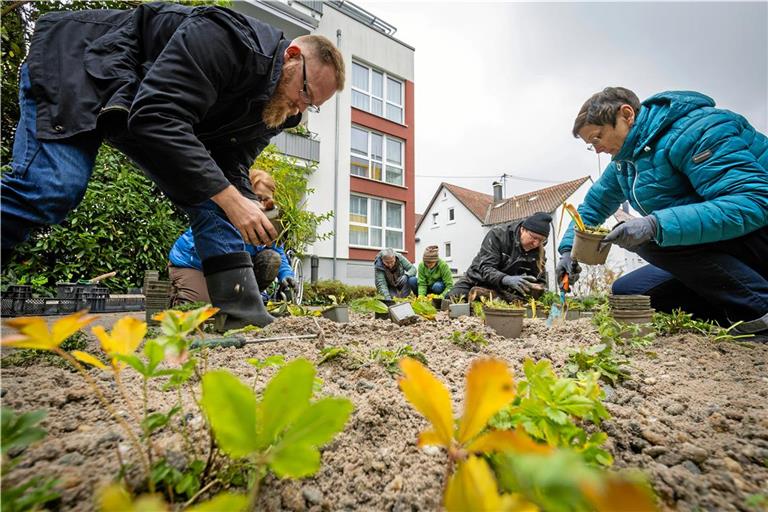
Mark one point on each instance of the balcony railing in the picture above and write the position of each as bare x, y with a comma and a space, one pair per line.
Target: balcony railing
297, 146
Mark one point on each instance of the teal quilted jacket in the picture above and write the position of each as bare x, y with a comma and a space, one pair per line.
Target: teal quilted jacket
701, 171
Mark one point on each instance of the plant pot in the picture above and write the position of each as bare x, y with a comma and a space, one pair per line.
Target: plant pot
339, 313
402, 313
541, 312
384, 316
572, 314
457, 310
586, 248
506, 322
275, 218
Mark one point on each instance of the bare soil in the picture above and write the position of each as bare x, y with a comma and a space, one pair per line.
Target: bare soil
694, 417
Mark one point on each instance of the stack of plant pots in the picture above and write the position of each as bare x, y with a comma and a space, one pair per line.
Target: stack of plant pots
631, 309
157, 295
506, 322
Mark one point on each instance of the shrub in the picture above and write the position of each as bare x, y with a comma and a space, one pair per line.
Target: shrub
319, 292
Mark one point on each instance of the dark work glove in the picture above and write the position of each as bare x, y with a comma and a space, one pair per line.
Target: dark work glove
401, 281
632, 233
521, 284
288, 283
569, 266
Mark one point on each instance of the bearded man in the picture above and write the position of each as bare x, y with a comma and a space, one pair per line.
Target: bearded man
192, 95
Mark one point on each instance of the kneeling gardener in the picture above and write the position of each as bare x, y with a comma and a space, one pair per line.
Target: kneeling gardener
192, 95
434, 275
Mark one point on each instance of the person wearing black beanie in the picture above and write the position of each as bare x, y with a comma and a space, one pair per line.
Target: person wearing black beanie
510, 264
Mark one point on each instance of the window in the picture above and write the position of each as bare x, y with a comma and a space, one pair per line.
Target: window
434, 219
447, 250
376, 92
376, 156
375, 222
450, 215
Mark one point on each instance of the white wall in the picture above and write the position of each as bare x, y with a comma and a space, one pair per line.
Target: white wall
465, 234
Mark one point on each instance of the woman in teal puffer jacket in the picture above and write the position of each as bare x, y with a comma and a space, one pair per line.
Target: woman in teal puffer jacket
699, 176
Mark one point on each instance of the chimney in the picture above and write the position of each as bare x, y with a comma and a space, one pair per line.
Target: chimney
496, 192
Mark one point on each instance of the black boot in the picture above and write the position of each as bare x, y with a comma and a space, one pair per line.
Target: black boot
233, 289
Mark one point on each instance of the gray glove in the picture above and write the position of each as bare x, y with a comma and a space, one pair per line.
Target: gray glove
401, 281
569, 266
632, 233
521, 284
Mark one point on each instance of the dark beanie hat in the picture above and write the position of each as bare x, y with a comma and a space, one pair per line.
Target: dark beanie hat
538, 223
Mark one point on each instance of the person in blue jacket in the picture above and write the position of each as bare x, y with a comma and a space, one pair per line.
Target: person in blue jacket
699, 177
185, 268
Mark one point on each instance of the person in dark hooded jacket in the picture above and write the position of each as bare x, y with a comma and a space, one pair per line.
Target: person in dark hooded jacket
510, 264
699, 177
192, 95
394, 275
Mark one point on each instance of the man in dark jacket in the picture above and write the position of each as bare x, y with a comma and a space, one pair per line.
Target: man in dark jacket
192, 95
510, 264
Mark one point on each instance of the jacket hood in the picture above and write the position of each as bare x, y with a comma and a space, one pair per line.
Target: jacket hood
656, 114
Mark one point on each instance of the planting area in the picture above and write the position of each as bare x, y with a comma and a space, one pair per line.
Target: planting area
692, 414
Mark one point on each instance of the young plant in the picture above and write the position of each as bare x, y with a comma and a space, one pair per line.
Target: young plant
469, 340
328, 353
389, 358
679, 321
491, 303
115, 498
548, 409
458, 299
423, 307
368, 305
614, 333
601, 359
18, 432
469, 481
297, 310
280, 432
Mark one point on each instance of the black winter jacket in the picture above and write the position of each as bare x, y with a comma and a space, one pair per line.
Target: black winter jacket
501, 254
179, 89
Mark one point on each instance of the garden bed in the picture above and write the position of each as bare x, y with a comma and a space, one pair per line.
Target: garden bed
693, 417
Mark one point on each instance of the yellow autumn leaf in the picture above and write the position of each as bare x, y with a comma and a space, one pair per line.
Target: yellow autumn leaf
489, 387
431, 398
35, 333
617, 494
517, 441
115, 498
473, 488
182, 316
125, 338
575, 216
85, 357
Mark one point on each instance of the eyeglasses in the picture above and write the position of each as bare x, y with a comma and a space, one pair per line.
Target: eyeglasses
304, 92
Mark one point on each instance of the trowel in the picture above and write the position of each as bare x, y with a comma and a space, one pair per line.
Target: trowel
557, 311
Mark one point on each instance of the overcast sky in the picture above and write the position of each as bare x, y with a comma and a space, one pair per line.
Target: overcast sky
498, 84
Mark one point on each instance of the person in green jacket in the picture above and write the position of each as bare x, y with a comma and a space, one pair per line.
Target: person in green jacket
394, 275
434, 274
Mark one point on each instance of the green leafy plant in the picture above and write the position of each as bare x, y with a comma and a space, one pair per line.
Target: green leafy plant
423, 307
468, 340
30, 356
601, 359
679, 321
551, 409
615, 333
368, 305
18, 432
458, 299
491, 303
282, 431
329, 353
389, 358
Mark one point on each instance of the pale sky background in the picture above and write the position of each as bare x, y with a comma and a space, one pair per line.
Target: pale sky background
499, 84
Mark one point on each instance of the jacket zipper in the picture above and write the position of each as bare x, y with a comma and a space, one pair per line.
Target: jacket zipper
634, 182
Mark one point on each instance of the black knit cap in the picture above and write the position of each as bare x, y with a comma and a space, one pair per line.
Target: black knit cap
538, 223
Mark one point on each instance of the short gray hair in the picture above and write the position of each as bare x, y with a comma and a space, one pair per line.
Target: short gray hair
602, 108
388, 252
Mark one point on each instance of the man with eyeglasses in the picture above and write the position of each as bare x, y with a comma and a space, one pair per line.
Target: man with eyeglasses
511, 262
192, 95
699, 177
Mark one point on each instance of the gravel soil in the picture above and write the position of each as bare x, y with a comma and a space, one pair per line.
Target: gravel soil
694, 416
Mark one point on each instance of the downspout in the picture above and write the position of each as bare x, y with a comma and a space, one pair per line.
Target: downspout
336, 171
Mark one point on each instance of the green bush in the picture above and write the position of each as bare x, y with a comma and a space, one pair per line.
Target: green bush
318, 293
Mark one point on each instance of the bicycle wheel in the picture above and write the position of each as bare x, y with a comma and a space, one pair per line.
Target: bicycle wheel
298, 275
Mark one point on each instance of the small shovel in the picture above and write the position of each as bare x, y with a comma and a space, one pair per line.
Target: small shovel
557, 312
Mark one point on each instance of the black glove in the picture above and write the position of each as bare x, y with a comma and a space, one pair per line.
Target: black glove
632, 233
569, 266
288, 283
401, 281
521, 284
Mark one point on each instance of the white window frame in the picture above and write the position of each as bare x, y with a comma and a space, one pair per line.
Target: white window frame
384, 228
384, 162
384, 90
447, 250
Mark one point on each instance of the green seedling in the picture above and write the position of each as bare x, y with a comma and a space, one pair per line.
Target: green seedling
368, 305
248, 329
681, 322
477, 310
550, 409
601, 359
469, 340
423, 307
616, 334
389, 358
329, 353
280, 432
458, 299
296, 310
491, 303
275, 361
18, 432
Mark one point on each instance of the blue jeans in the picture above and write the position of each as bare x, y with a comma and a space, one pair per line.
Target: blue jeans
436, 288
47, 179
724, 281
